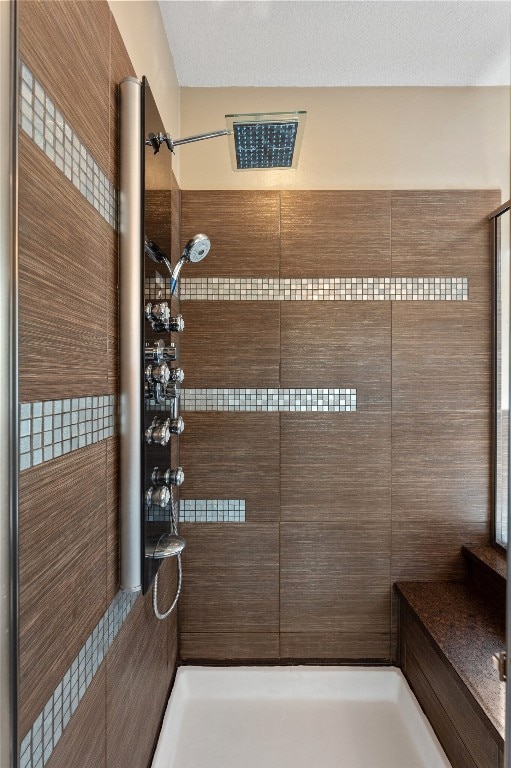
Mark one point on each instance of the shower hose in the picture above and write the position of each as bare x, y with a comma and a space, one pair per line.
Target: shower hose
174, 531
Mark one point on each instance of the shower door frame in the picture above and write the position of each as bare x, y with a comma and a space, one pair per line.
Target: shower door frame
9, 383
495, 236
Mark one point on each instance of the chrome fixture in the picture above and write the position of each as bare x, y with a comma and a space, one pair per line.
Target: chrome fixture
156, 140
160, 352
161, 320
161, 429
194, 251
158, 433
157, 497
158, 374
154, 391
164, 545
168, 476
177, 375
172, 393
265, 140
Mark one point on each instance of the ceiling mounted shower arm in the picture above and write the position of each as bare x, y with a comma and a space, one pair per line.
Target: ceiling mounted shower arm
155, 140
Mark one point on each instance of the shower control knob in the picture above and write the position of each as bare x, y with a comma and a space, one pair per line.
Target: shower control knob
158, 315
168, 476
159, 432
158, 373
177, 324
159, 352
157, 497
154, 391
176, 426
177, 375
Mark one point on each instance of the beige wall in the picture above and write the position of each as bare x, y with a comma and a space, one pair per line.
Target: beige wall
141, 27
360, 138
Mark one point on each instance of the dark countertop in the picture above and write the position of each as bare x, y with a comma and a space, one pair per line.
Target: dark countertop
491, 557
468, 630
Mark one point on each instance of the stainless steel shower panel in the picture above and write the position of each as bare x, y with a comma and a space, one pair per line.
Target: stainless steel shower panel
131, 239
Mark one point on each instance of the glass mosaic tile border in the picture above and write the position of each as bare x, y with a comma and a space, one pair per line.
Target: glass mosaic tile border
38, 744
51, 428
50, 130
212, 511
331, 400
203, 511
324, 289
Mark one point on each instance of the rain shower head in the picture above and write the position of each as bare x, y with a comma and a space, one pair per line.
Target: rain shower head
194, 251
263, 141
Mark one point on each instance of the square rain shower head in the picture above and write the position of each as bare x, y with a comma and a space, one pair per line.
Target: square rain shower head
263, 141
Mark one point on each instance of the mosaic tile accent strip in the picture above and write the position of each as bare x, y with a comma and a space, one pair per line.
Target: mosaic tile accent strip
324, 289
332, 400
212, 511
48, 128
52, 428
42, 738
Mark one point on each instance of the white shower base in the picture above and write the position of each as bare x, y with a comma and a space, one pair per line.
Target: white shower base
295, 717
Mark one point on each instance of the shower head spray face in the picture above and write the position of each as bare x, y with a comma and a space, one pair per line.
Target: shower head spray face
265, 141
194, 251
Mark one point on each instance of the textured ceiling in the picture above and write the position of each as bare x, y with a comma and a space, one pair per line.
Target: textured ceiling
338, 42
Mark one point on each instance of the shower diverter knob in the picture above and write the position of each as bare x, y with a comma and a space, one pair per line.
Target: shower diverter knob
176, 426
159, 432
157, 497
158, 315
160, 352
158, 373
160, 318
177, 375
177, 324
168, 476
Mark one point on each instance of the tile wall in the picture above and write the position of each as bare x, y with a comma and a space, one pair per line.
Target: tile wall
95, 665
386, 294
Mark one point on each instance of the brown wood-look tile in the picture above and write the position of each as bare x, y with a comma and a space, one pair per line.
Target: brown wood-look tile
64, 251
441, 356
339, 646
229, 646
231, 344
336, 467
138, 680
333, 577
440, 492
83, 743
67, 47
230, 578
338, 344
243, 227
335, 233
233, 456
444, 233
120, 67
112, 518
62, 569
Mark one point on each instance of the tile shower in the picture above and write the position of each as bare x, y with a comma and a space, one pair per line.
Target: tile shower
310, 414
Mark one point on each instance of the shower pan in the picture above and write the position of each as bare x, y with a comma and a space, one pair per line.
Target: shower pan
295, 717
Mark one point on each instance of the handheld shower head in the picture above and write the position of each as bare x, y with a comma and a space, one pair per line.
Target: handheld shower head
194, 251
